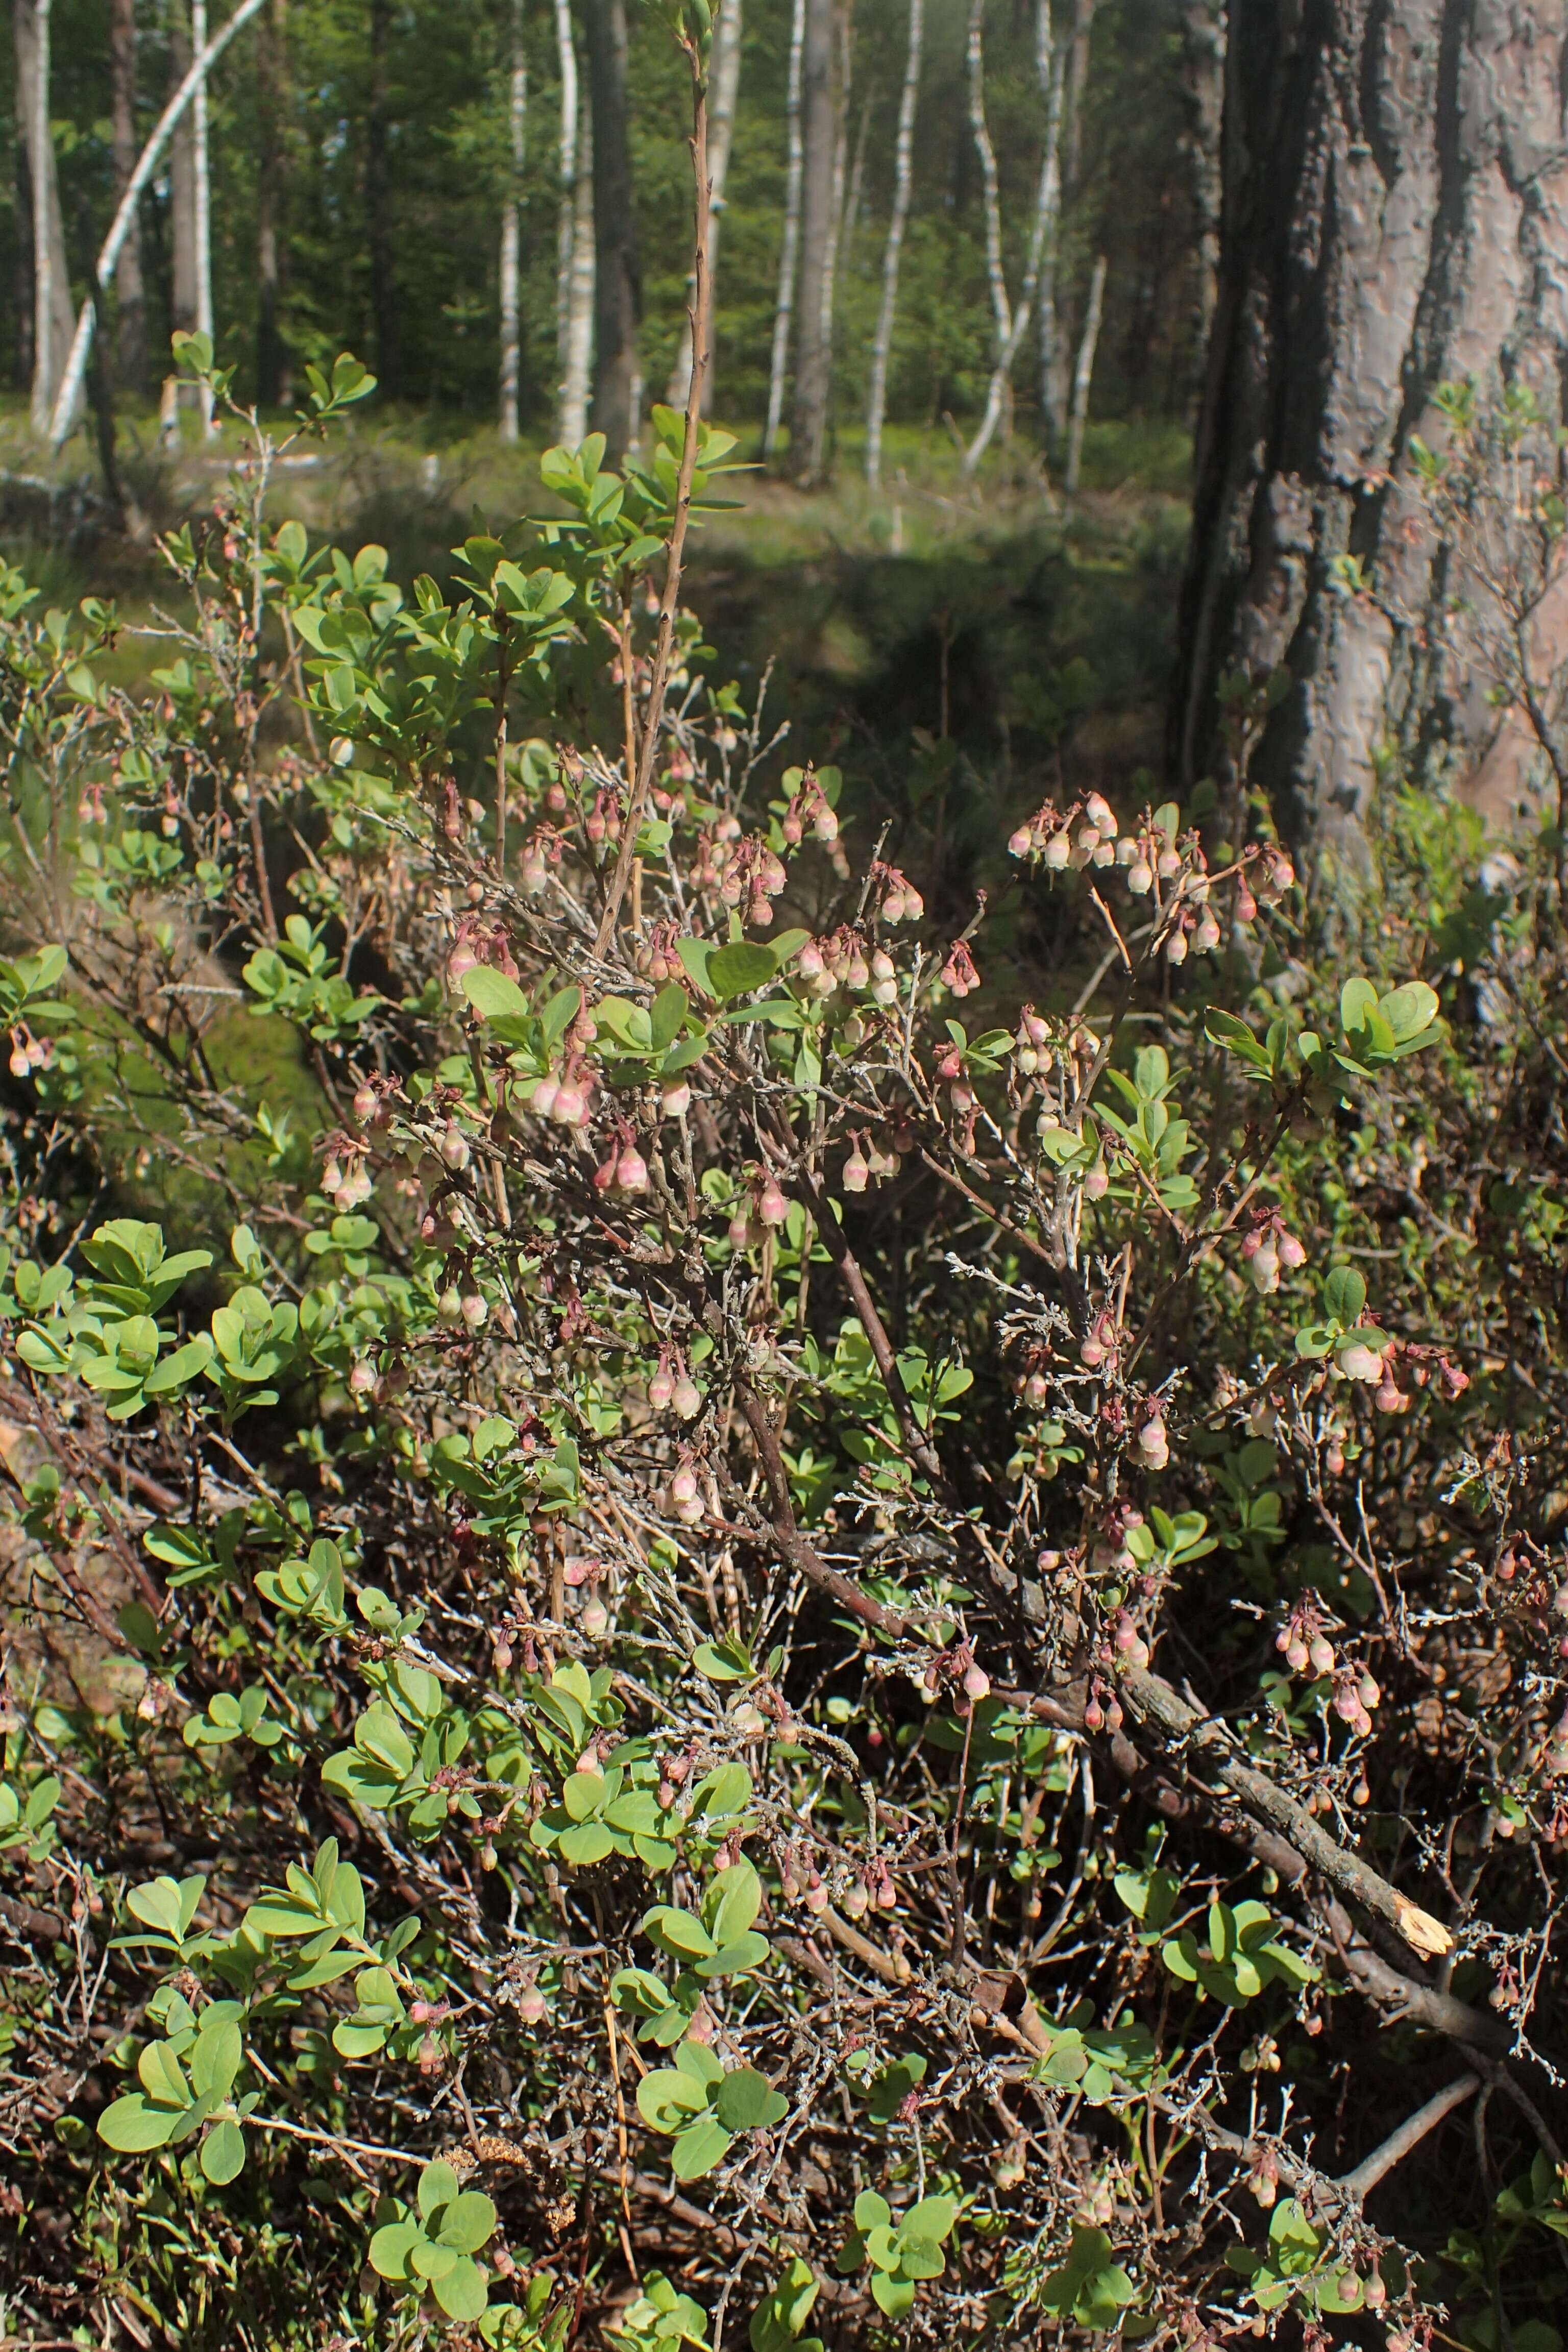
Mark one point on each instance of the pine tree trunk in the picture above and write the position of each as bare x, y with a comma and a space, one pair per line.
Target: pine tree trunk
1203, 59
380, 240
789, 250
1069, 69
903, 183
182, 186
511, 231
724, 86
819, 140
618, 267
130, 317
54, 321
1392, 220
271, 200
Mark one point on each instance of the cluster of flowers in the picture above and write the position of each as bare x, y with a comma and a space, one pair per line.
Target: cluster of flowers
801, 1881
868, 1160
1268, 1249
1089, 834
954, 1666
672, 1385
842, 960
29, 1052
1307, 1649
475, 943
345, 1173
762, 1210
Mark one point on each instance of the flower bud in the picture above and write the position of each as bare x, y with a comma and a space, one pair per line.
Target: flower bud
856, 1174
631, 1175
454, 1146
687, 1398
675, 1099
1358, 1361
474, 1310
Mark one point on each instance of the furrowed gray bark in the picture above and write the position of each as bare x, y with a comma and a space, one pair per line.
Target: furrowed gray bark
618, 267
1392, 218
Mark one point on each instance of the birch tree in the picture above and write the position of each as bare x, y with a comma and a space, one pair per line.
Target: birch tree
820, 108
573, 264
1069, 66
130, 311
51, 289
789, 249
724, 83
1083, 373
1010, 323
903, 184
577, 377
201, 198
510, 228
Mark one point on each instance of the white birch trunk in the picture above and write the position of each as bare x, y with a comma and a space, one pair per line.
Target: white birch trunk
511, 230
203, 163
1013, 324
724, 88
840, 181
1083, 374
566, 215
576, 384
1053, 332
41, 162
903, 182
789, 252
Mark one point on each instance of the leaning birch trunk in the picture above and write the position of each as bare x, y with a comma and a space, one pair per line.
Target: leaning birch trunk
903, 182
202, 166
566, 213
577, 380
1042, 228
511, 231
725, 85
125, 217
789, 251
51, 291
1083, 374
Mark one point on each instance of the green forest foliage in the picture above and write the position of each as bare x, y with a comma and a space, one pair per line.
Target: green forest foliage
445, 106
750, 1594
